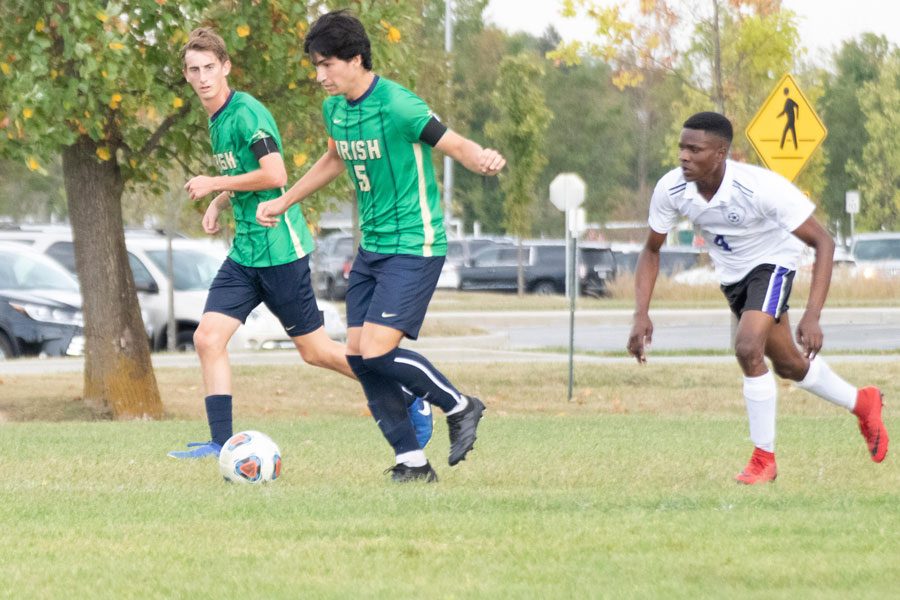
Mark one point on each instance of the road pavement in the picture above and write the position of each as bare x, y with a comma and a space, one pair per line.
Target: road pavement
518, 336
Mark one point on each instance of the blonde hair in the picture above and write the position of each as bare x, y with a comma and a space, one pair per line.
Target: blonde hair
204, 39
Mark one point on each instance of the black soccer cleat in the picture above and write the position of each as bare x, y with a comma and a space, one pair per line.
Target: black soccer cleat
401, 473
462, 426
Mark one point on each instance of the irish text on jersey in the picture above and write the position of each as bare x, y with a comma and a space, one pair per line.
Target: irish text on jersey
359, 149
225, 161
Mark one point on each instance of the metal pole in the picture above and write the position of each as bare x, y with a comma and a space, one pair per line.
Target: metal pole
568, 252
171, 328
572, 292
448, 162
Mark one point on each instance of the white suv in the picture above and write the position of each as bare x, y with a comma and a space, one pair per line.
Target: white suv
194, 265
877, 254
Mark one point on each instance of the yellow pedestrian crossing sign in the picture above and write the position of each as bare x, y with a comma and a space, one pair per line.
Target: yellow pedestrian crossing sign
786, 130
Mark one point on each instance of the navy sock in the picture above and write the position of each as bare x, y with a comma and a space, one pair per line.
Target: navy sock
413, 371
388, 405
218, 413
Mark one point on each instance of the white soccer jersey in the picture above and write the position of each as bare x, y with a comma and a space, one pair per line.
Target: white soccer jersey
747, 223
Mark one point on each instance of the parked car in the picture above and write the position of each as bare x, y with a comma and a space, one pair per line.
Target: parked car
672, 259
330, 265
195, 264
877, 254
40, 306
462, 250
544, 264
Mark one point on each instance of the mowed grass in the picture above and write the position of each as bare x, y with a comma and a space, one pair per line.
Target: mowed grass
626, 492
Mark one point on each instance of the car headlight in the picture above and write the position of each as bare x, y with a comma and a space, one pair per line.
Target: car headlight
47, 314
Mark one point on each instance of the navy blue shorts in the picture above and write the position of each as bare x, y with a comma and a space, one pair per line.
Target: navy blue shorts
392, 290
766, 288
286, 289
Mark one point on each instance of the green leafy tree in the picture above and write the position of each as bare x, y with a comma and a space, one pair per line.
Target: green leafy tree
101, 85
879, 170
476, 60
856, 63
738, 48
519, 131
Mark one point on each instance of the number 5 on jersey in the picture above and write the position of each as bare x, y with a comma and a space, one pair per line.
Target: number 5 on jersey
361, 178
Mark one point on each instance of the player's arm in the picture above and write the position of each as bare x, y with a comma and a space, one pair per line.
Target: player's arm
484, 161
809, 333
645, 275
270, 175
323, 172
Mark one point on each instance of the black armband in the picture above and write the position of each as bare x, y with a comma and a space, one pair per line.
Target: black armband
264, 146
433, 131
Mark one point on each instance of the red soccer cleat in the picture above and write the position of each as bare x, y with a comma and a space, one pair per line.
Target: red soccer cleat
869, 401
760, 469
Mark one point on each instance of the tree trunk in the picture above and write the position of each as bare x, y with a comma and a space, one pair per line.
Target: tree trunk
117, 370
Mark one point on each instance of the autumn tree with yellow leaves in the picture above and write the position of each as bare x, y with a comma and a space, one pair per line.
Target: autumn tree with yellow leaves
100, 84
724, 55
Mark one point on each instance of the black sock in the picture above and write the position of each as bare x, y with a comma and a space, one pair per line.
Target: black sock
413, 371
388, 405
218, 413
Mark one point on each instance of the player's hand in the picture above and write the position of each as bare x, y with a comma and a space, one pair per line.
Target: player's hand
200, 186
211, 219
809, 335
490, 162
267, 212
640, 338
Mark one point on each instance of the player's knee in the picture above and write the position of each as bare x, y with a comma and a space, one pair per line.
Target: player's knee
748, 352
314, 357
207, 340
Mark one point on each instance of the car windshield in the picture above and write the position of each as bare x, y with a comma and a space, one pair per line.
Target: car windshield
20, 271
455, 251
888, 249
193, 269
596, 256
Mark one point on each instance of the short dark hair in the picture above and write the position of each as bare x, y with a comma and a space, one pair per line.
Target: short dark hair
712, 122
205, 39
339, 34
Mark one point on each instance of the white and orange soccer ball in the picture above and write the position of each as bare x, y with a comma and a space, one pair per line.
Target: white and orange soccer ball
250, 457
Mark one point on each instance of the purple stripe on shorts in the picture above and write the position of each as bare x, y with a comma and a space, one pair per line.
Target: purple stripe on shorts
773, 306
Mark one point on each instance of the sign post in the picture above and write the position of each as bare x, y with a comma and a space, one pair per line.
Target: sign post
567, 194
786, 131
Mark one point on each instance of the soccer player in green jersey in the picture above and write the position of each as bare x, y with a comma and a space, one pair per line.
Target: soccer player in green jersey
382, 134
265, 264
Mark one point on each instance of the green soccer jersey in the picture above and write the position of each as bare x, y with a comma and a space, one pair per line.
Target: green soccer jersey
235, 127
377, 136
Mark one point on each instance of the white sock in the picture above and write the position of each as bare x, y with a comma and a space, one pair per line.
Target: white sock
413, 458
826, 384
760, 396
461, 404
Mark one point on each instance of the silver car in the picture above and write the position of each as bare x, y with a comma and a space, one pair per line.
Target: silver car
877, 255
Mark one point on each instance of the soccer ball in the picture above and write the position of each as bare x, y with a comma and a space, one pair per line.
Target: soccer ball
250, 457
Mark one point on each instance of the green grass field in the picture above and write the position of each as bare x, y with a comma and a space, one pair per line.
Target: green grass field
625, 493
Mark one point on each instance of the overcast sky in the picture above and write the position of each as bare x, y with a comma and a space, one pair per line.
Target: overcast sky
823, 24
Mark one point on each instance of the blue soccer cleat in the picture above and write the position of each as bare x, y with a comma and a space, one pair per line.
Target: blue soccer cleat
420, 415
199, 450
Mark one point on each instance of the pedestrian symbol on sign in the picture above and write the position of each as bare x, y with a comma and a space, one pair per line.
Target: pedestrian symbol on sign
791, 111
